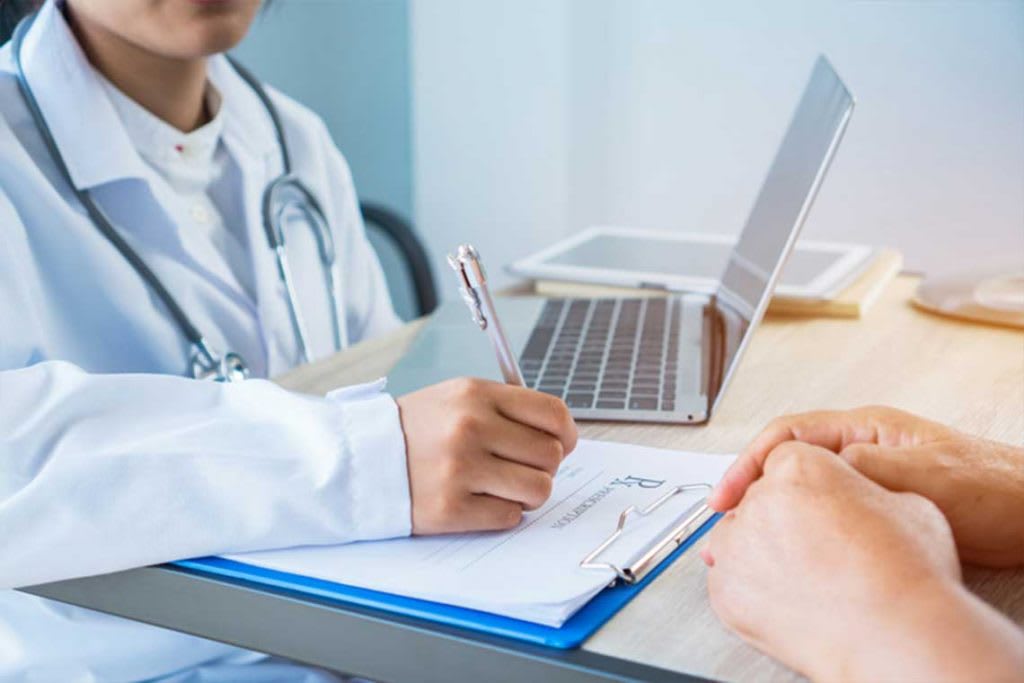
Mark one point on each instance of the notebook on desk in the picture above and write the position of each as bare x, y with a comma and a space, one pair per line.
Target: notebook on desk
852, 301
553, 580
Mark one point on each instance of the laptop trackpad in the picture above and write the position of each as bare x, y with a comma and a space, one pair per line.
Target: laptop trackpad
452, 345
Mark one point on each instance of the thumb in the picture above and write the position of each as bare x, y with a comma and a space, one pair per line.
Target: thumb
895, 468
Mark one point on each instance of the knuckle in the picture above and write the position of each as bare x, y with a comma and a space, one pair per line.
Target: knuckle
466, 387
878, 409
561, 412
775, 431
792, 460
542, 490
929, 515
556, 408
552, 454
511, 516
778, 424
886, 415
534, 491
856, 455
564, 424
452, 470
946, 463
465, 427
572, 437
925, 507
786, 458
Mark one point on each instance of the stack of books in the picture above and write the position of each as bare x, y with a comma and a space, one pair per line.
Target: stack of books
851, 302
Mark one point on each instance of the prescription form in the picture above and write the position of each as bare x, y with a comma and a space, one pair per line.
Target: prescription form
530, 572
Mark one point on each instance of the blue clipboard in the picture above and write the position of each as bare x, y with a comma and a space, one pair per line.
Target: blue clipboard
571, 634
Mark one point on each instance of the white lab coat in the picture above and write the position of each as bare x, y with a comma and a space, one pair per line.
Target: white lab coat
109, 457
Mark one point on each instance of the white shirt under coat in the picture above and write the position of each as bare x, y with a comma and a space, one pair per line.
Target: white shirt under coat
110, 458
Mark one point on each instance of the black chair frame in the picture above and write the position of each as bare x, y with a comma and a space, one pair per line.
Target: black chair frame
400, 233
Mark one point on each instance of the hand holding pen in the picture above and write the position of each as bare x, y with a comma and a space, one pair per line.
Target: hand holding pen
480, 453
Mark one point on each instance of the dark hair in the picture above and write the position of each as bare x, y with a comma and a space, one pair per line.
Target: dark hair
13, 11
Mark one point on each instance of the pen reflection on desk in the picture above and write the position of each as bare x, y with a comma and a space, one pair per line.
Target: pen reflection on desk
473, 287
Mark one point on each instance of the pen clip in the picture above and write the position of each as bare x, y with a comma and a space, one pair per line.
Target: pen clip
473, 287
466, 262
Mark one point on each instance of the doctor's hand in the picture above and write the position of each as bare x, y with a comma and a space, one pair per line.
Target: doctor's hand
843, 579
978, 484
480, 453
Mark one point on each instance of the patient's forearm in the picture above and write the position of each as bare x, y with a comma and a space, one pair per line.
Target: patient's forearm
940, 633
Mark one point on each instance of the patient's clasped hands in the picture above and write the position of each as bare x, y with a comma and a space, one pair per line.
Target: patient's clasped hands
841, 545
839, 551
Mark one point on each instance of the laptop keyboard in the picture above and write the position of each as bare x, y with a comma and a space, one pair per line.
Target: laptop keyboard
608, 354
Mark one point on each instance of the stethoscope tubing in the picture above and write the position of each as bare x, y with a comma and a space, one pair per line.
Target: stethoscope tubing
99, 219
205, 362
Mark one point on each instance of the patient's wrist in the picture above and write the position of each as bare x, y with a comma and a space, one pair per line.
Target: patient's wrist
939, 631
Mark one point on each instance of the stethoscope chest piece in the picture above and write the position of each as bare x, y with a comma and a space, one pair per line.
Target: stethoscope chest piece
228, 368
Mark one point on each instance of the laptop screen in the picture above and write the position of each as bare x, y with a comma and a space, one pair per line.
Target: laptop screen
781, 206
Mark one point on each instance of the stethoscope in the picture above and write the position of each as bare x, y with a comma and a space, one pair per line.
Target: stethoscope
287, 193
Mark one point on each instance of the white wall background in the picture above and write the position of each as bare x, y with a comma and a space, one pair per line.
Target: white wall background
535, 118
491, 125
349, 61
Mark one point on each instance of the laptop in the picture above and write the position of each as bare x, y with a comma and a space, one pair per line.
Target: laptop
652, 359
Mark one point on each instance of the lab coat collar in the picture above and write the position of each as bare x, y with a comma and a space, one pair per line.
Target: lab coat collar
83, 122
247, 125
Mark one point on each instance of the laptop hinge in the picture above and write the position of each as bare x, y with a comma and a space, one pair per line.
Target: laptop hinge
713, 346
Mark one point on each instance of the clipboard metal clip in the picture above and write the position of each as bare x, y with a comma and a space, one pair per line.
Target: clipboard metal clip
690, 521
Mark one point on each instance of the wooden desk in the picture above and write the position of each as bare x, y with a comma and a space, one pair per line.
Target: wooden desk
968, 376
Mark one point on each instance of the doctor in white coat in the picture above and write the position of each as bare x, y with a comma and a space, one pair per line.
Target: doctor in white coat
111, 454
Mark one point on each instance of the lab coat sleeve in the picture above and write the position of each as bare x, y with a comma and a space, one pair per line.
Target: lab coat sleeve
100, 473
368, 302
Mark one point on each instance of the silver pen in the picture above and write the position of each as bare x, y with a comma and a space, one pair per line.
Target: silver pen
473, 287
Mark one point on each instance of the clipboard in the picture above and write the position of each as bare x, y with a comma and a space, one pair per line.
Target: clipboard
628, 582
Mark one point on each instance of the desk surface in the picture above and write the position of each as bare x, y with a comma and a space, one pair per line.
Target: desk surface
969, 376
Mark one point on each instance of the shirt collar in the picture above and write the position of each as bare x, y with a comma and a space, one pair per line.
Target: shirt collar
169, 150
84, 122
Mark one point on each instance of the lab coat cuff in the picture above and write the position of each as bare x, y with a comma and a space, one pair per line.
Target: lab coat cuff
379, 494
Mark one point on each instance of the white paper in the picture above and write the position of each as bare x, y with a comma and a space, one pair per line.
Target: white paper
531, 572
